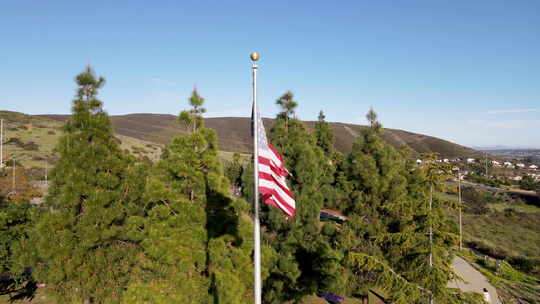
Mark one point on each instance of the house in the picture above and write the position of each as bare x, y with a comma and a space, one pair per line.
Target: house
520, 165
418, 161
496, 163
508, 164
446, 160
516, 178
533, 167
470, 160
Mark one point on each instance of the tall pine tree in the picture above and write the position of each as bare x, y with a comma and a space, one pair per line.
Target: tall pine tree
80, 246
196, 239
306, 263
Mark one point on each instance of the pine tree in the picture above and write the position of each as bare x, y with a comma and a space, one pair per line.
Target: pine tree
233, 170
374, 171
15, 220
324, 135
288, 106
79, 245
306, 263
172, 266
438, 231
196, 239
386, 237
192, 119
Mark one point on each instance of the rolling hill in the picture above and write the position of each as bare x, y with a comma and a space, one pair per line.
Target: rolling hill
234, 133
31, 138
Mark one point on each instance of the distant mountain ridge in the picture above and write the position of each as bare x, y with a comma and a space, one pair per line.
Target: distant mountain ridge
234, 133
502, 148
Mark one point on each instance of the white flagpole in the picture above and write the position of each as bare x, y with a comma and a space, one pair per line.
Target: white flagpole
256, 224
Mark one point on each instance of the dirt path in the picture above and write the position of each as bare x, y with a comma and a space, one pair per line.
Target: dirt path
474, 280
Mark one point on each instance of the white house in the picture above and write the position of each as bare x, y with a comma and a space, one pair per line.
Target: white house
419, 161
508, 164
446, 160
520, 165
470, 160
496, 163
516, 178
533, 167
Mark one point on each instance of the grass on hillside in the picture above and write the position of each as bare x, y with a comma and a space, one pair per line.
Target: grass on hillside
32, 139
512, 228
512, 285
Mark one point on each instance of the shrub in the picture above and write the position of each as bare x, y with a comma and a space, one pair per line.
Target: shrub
486, 249
475, 201
525, 264
51, 132
30, 146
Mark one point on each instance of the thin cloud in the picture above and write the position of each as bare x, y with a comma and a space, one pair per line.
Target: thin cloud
506, 124
508, 111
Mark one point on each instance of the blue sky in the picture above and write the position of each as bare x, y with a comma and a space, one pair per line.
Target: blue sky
465, 71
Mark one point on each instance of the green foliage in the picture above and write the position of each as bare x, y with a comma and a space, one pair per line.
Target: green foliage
306, 263
234, 170
371, 117
196, 241
79, 245
324, 135
386, 239
288, 106
192, 119
529, 183
14, 223
476, 202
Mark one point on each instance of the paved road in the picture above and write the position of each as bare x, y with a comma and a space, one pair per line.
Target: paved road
474, 280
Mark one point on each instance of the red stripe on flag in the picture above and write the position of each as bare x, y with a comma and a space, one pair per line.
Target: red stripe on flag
268, 197
276, 152
269, 163
269, 177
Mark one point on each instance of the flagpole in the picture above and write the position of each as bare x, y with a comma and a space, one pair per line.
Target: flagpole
256, 224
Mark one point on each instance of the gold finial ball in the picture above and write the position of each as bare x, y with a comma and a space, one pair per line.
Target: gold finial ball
254, 56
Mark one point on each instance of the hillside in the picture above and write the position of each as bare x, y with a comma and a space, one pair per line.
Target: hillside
234, 133
31, 140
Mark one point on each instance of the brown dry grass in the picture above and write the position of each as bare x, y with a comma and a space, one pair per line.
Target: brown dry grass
234, 134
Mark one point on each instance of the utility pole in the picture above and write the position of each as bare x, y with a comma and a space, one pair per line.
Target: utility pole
46, 164
459, 197
430, 235
1, 143
485, 156
13, 174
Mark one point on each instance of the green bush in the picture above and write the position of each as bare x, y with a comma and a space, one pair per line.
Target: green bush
525, 264
486, 249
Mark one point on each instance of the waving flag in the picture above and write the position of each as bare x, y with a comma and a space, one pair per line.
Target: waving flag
272, 174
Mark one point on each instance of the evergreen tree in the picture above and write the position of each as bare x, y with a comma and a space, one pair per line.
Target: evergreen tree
386, 237
233, 170
173, 265
324, 135
288, 106
371, 117
79, 245
192, 119
15, 220
196, 242
374, 171
306, 263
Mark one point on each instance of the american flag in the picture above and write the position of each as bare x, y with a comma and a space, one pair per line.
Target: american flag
272, 173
